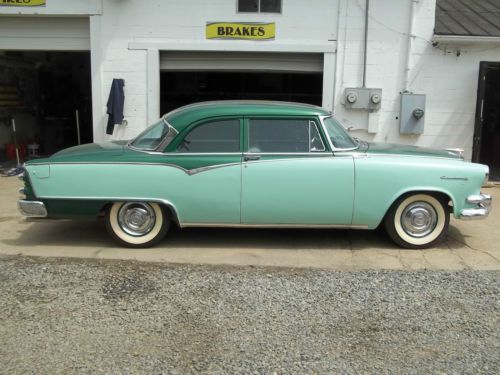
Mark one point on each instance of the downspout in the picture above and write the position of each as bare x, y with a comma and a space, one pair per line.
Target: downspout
337, 74
365, 50
410, 37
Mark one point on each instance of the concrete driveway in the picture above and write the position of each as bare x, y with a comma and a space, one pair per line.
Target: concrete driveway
469, 245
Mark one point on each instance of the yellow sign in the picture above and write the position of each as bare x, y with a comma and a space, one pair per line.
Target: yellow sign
22, 3
246, 30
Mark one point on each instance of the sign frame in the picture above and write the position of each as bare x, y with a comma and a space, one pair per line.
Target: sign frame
23, 3
256, 31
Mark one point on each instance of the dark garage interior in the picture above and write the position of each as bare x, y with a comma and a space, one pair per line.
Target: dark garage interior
44, 92
181, 88
489, 132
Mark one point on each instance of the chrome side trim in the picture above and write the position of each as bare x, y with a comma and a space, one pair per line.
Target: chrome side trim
454, 178
32, 208
187, 171
310, 153
169, 154
177, 154
352, 154
118, 199
305, 226
209, 168
199, 153
246, 162
194, 171
373, 155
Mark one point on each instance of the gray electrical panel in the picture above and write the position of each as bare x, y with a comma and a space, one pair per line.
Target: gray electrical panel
412, 116
363, 98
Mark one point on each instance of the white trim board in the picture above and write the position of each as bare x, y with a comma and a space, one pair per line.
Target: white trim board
241, 46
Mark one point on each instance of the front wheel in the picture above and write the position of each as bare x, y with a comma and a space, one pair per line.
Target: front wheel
417, 221
137, 224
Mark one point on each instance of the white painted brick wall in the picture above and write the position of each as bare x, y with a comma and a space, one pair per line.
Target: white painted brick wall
170, 20
450, 82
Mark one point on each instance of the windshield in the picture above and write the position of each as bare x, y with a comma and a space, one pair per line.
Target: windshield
338, 134
157, 134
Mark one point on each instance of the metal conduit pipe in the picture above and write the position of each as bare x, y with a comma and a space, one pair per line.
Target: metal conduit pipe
410, 36
365, 52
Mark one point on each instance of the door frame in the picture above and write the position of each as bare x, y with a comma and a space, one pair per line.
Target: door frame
478, 122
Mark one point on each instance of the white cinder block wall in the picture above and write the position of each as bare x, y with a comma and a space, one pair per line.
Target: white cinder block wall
449, 79
123, 22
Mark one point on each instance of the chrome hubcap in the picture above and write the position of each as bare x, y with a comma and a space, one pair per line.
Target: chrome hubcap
419, 219
136, 218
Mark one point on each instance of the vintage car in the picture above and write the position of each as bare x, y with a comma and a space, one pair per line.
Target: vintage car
255, 164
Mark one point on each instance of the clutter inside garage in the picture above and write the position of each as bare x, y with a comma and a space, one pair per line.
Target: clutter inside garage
45, 103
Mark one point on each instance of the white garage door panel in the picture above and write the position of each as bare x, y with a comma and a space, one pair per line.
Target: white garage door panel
44, 33
241, 61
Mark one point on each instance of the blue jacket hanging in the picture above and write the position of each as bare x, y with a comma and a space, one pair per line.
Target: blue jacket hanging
115, 104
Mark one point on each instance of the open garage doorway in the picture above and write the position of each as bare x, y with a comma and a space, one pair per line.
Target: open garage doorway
190, 77
181, 88
486, 148
48, 94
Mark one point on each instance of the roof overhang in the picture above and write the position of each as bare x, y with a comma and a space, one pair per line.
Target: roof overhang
465, 39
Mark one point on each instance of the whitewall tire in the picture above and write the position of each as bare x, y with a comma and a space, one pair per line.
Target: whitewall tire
417, 221
137, 224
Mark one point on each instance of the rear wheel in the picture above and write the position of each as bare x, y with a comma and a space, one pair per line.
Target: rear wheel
137, 224
417, 221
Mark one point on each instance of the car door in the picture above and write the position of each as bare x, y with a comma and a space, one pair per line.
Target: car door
290, 176
206, 188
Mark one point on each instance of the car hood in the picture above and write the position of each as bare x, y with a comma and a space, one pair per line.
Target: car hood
396, 149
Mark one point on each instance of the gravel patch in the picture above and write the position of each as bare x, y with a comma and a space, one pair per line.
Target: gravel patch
82, 316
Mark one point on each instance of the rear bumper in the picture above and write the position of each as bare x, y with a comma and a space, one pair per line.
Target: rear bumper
482, 209
32, 208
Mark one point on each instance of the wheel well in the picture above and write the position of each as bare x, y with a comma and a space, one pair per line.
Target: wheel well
442, 197
172, 212
167, 207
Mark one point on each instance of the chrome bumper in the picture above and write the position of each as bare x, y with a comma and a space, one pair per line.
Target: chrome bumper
481, 211
32, 208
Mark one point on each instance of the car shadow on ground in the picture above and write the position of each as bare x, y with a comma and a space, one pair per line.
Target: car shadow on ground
93, 234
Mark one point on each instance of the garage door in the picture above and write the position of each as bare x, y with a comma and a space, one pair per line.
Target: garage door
241, 61
45, 33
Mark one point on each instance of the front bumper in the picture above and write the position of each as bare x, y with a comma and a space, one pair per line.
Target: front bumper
32, 208
482, 209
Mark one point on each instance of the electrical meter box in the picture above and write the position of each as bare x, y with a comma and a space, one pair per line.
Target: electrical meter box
363, 98
412, 116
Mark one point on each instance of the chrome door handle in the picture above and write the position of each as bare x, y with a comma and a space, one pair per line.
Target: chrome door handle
251, 157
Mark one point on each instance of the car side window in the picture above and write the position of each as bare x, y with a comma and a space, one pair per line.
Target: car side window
215, 136
284, 135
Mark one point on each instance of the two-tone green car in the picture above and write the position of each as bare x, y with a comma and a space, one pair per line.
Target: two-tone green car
255, 164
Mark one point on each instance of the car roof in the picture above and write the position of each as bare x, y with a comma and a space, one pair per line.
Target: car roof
184, 116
